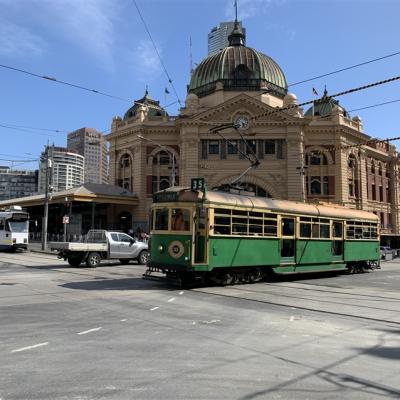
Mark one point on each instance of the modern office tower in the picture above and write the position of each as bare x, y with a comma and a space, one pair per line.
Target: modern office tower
65, 169
17, 183
218, 37
90, 143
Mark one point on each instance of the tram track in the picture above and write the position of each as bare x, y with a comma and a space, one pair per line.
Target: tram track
297, 306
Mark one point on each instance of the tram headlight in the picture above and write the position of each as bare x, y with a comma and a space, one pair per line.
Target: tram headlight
160, 248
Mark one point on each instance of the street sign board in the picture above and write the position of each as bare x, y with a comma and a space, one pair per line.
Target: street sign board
65, 219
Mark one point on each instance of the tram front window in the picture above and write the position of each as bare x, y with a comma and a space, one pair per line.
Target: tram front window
180, 219
19, 226
161, 219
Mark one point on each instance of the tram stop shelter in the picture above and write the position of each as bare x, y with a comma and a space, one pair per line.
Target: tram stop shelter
89, 206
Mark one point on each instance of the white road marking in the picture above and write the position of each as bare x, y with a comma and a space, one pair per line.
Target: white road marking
30, 347
171, 299
181, 293
89, 331
123, 320
291, 319
154, 308
213, 321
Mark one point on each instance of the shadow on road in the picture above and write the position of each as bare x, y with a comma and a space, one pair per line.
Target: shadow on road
136, 283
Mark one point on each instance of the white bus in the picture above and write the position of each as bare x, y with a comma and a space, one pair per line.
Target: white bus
14, 229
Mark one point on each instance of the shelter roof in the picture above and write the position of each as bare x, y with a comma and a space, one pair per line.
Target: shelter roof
88, 192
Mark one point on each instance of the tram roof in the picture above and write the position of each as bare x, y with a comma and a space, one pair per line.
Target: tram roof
275, 205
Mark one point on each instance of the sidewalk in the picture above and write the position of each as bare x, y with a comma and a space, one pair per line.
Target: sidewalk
36, 247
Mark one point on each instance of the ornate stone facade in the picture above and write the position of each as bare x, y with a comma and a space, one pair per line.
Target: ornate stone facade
287, 142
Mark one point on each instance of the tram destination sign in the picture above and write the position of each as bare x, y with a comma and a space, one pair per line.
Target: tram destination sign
164, 197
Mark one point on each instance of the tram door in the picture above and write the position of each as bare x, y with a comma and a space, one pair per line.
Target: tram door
337, 240
200, 236
288, 244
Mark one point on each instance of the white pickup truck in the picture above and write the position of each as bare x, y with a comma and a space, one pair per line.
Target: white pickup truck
100, 245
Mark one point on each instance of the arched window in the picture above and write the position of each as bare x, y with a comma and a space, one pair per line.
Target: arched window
316, 158
318, 183
372, 167
124, 171
164, 170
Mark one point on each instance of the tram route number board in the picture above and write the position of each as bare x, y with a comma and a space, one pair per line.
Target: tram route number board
197, 184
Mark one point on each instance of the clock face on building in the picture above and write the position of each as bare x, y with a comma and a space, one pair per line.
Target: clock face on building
242, 122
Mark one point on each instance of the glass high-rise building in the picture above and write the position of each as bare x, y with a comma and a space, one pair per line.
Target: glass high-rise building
17, 183
218, 37
66, 169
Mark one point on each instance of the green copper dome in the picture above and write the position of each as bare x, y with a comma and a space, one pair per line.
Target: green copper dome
324, 107
153, 107
238, 68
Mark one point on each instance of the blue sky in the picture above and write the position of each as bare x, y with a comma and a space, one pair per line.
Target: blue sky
103, 45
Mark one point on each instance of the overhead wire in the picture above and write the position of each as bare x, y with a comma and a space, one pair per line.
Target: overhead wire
52, 79
344, 69
157, 52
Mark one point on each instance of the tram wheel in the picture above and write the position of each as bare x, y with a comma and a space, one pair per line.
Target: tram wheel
227, 280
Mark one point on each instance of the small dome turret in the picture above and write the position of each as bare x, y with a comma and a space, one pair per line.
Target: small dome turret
325, 106
152, 107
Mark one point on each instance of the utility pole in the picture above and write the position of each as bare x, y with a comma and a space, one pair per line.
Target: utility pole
46, 201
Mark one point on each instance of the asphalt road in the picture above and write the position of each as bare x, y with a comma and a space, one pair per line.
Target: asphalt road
105, 333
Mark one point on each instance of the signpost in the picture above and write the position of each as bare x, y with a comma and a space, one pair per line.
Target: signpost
65, 222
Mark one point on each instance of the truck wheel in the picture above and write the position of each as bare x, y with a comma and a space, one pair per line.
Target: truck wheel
75, 261
93, 260
124, 261
143, 257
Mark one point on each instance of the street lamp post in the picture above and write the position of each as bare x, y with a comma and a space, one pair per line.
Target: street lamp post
46, 200
173, 172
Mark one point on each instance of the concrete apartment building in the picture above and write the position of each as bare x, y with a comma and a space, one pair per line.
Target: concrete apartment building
17, 183
218, 37
91, 144
242, 86
66, 169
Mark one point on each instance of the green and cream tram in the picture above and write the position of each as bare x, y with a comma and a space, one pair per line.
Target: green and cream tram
227, 238
14, 229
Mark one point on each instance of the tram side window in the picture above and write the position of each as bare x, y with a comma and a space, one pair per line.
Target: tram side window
324, 231
180, 219
350, 230
1, 224
287, 227
222, 221
315, 231
270, 225
305, 230
161, 219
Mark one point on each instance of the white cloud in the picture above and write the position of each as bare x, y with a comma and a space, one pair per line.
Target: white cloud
146, 61
18, 41
86, 23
